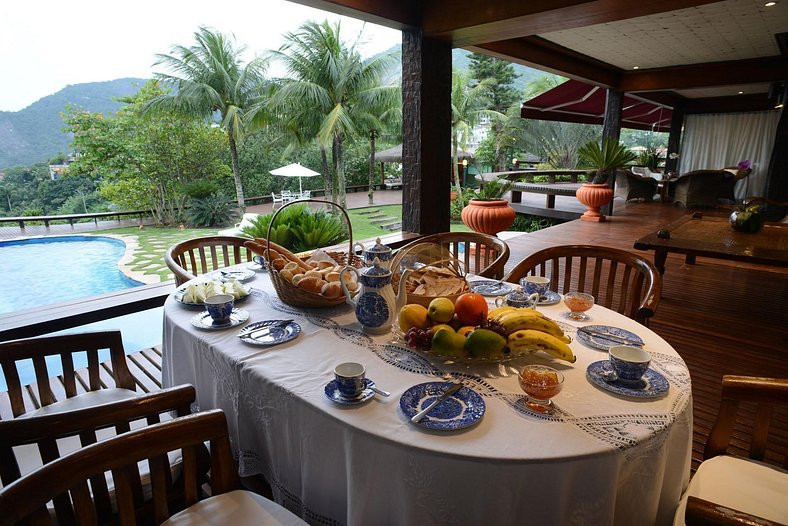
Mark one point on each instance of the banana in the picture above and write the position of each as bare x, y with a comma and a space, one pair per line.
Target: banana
529, 339
514, 322
499, 313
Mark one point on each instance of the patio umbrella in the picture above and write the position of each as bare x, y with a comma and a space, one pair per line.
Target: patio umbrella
295, 170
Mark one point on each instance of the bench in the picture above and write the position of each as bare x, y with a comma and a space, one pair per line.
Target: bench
550, 190
391, 184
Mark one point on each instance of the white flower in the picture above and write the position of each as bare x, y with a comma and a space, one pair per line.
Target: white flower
673, 155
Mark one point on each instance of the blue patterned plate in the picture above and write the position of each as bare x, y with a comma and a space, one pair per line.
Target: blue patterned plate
203, 320
464, 408
333, 394
269, 332
598, 341
490, 288
653, 384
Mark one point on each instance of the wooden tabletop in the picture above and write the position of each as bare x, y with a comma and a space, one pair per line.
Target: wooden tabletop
699, 235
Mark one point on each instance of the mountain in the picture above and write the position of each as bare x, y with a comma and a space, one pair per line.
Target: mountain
34, 134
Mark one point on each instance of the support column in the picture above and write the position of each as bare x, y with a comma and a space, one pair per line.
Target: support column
777, 176
674, 139
614, 107
426, 133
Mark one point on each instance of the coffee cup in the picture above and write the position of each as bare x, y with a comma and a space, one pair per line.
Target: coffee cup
517, 299
220, 307
629, 363
535, 285
349, 377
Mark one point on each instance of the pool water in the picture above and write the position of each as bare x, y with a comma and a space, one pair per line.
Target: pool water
42, 271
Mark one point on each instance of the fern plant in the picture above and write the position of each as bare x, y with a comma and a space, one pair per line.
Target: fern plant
493, 189
298, 228
319, 229
213, 210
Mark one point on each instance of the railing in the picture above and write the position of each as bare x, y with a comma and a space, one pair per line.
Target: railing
21, 220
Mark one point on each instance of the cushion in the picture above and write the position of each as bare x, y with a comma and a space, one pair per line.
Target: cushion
745, 485
237, 508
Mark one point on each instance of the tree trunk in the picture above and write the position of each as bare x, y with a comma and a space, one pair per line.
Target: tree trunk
340, 164
371, 194
328, 180
239, 187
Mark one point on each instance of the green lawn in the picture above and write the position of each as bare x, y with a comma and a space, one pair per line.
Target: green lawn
154, 241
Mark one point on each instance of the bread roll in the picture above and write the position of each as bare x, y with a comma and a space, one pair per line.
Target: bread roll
278, 263
311, 284
297, 278
325, 264
332, 276
292, 266
314, 274
332, 290
287, 274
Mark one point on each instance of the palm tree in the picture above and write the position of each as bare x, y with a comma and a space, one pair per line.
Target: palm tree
468, 107
331, 94
210, 78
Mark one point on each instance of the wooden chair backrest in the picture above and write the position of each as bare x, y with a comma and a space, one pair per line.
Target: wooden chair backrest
619, 280
64, 346
480, 254
68, 476
196, 256
701, 512
761, 396
45, 431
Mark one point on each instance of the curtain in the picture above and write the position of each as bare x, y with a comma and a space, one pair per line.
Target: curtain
715, 141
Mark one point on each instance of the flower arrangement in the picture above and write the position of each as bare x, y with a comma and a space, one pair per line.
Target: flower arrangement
744, 165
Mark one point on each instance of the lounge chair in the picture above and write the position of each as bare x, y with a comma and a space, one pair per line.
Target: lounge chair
630, 185
699, 188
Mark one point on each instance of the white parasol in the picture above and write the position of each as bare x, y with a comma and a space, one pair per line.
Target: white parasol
295, 170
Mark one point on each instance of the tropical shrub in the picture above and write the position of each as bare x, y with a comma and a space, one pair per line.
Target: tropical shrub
200, 189
214, 210
298, 228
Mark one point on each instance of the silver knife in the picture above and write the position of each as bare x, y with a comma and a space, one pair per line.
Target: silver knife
611, 337
443, 396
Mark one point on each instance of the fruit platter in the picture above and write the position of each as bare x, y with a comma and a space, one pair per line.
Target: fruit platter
466, 330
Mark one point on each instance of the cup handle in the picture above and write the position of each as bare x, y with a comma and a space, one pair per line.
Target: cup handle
358, 246
533, 299
500, 301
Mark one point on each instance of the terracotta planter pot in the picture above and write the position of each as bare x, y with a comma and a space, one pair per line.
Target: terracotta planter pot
594, 196
488, 217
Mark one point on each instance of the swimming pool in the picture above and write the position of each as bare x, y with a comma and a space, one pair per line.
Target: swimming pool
47, 270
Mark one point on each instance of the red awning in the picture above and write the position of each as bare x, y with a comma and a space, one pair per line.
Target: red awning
575, 101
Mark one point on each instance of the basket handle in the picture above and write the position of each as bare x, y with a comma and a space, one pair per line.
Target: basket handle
300, 201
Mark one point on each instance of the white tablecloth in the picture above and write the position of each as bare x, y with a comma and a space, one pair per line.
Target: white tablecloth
600, 459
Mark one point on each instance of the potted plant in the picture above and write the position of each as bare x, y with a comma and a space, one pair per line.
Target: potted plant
487, 211
603, 160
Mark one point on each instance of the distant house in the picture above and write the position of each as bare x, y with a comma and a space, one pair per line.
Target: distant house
56, 170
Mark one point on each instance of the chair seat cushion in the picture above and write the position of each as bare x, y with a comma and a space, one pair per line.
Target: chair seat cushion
744, 485
81, 401
238, 508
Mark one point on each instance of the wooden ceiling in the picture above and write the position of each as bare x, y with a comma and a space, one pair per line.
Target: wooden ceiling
702, 55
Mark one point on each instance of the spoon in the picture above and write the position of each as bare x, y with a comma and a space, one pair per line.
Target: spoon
376, 389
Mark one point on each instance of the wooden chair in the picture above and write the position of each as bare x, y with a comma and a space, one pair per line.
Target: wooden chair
68, 477
480, 254
731, 490
28, 443
196, 256
75, 391
619, 280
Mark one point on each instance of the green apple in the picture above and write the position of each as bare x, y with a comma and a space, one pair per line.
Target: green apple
441, 310
449, 344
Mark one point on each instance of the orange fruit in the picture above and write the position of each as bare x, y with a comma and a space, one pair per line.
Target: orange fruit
465, 331
471, 308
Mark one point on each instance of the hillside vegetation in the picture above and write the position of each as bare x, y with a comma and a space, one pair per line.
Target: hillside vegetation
35, 134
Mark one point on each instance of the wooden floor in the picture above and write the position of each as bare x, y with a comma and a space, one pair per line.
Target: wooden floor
721, 317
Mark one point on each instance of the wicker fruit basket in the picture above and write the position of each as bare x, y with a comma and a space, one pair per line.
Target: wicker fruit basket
449, 270
299, 297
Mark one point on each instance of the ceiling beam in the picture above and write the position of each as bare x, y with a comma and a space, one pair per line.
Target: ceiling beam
736, 103
472, 22
728, 73
400, 15
542, 54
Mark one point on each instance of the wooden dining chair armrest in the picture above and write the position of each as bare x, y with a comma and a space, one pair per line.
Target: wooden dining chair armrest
766, 393
704, 513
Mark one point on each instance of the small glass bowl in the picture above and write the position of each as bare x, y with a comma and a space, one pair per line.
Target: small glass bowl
578, 303
540, 383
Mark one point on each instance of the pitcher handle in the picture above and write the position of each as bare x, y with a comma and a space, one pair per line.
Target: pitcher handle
360, 246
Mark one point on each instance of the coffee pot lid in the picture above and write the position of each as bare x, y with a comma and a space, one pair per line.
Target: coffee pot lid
376, 269
379, 247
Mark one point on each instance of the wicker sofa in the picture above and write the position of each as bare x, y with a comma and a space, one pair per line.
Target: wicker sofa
699, 188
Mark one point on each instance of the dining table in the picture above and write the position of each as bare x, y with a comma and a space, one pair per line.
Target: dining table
604, 455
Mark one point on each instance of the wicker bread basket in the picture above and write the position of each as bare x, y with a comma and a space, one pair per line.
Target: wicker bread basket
297, 297
447, 262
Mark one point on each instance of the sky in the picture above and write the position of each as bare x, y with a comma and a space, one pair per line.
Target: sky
45, 45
